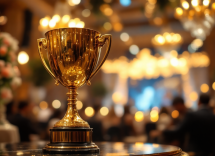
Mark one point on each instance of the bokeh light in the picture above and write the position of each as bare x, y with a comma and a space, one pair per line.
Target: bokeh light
204, 88
43, 105
79, 105
124, 36
175, 114
154, 116
56, 104
134, 49
89, 111
139, 116
86, 13
193, 96
104, 111
23, 57
117, 97
213, 86
107, 25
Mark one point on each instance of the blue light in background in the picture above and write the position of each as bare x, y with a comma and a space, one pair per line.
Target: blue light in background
144, 100
125, 2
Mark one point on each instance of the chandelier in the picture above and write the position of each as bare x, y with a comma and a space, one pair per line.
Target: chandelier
167, 42
148, 66
61, 18
196, 16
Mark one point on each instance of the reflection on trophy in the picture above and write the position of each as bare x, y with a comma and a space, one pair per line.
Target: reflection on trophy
73, 55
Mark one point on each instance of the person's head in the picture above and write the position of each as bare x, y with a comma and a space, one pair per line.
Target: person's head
24, 107
178, 104
204, 99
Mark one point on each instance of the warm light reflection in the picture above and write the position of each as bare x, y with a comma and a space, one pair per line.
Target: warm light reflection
43, 105
104, 111
107, 26
117, 97
79, 105
56, 104
139, 116
124, 36
213, 86
23, 57
204, 88
89, 111
193, 96
175, 114
154, 116
148, 66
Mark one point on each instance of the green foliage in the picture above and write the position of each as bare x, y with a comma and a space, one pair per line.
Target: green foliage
39, 76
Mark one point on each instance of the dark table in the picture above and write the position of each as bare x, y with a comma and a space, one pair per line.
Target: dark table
106, 149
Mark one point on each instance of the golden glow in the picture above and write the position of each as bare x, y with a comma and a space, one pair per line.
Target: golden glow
195, 3
147, 66
154, 116
56, 18
76, 23
104, 111
213, 86
89, 111
43, 105
139, 116
107, 26
52, 23
174, 62
185, 5
204, 88
179, 11
86, 13
213, 6
158, 21
206, 2
124, 36
166, 39
56, 104
44, 22
174, 53
106, 9
175, 114
79, 105
65, 18
117, 97
193, 96
117, 26
23, 57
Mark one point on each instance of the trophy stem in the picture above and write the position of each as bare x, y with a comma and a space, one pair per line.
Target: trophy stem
72, 118
72, 96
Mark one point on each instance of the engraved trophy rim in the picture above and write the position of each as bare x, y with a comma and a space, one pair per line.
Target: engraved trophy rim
72, 28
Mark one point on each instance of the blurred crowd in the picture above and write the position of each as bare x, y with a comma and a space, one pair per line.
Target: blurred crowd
193, 131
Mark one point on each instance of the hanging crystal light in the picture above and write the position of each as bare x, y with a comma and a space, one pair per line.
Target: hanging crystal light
167, 42
61, 18
196, 16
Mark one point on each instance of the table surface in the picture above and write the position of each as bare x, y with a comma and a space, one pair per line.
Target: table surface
106, 148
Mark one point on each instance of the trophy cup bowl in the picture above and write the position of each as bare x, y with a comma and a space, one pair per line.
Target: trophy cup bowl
73, 56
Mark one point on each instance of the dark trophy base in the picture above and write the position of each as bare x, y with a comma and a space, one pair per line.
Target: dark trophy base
71, 141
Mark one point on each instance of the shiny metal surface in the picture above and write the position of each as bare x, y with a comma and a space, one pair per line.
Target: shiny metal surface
70, 136
106, 149
73, 55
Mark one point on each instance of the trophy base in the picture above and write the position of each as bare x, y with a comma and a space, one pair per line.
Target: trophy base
65, 140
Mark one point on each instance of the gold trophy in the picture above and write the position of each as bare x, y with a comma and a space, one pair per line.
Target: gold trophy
73, 55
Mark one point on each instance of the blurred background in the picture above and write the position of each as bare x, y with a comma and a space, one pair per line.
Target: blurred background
162, 50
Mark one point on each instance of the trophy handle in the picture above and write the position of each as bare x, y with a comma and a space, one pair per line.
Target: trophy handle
42, 43
102, 41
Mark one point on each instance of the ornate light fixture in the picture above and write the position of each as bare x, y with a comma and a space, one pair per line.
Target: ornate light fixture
197, 16
147, 66
60, 19
167, 42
